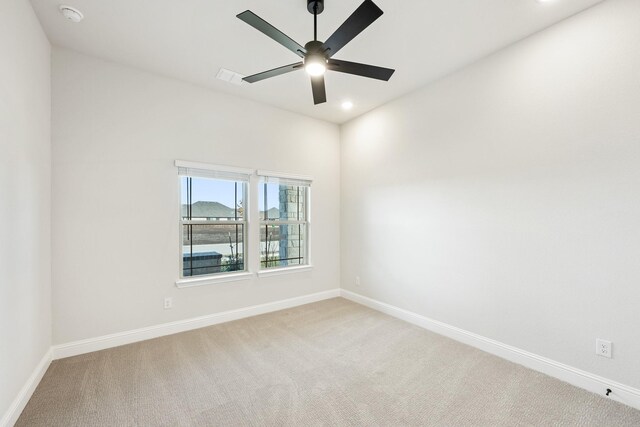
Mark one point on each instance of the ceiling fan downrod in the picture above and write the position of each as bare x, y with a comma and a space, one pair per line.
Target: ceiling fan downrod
315, 7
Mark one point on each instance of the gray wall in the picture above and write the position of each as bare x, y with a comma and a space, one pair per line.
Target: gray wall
116, 134
504, 199
25, 197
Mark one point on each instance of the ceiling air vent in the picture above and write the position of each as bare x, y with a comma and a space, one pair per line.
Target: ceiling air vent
230, 76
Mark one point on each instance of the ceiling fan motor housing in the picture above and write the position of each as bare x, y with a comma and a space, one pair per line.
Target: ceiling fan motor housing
311, 4
315, 48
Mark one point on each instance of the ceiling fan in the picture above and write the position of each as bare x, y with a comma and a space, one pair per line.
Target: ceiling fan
317, 57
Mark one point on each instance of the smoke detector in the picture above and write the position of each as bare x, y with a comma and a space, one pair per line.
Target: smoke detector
71, 13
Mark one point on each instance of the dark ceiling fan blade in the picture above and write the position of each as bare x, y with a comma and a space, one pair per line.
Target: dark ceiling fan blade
272, 73
319, 93
363, 70
263, 26
364, 16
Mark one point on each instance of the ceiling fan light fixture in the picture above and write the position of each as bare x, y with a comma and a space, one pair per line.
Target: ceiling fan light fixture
315, 65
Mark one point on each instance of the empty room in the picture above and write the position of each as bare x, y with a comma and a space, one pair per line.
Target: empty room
320, 213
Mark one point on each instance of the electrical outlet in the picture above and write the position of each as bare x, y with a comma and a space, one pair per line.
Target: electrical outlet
603, 348
168, 303
357, 280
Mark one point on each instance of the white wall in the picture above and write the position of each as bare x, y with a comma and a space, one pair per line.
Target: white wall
116, 134
504, 199
25, 195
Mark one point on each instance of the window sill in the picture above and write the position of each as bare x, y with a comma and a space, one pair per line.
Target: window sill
284, 270
210, 280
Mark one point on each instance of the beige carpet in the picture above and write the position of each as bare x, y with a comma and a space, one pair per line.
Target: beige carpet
328, 363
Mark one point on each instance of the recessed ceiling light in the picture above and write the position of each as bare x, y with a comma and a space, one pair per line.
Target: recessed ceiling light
544, 1
347, 105
71, 13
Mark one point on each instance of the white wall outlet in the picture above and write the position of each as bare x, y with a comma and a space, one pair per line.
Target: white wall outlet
603, 348
357, 280
168, 303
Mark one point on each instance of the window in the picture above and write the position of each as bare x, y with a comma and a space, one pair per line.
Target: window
284, 221
213, 220
218, 235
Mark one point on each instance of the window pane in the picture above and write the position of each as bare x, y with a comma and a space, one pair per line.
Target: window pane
208, 249
286, 202
212, 199
282, 245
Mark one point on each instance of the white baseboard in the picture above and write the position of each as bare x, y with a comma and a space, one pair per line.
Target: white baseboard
21, 400
121, 338
579, 378
594, 383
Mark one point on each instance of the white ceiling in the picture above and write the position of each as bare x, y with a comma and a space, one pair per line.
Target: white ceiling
192, 39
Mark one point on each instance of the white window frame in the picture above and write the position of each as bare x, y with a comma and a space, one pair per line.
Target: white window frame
291, 179
205, 170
